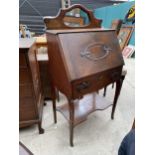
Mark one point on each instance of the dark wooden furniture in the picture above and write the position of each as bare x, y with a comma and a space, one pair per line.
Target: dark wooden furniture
42, 58
41, 43
30, 92
81, 62
44, 75
23, 150
81, 73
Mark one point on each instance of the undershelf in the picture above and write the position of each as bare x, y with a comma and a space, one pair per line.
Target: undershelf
85, 106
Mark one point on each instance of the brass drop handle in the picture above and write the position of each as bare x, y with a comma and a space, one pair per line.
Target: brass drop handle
83, 85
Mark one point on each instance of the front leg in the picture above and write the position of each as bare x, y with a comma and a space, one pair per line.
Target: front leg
41, 130
105, 90
53, 96
117, 92
54, 111
71, 121
122, 80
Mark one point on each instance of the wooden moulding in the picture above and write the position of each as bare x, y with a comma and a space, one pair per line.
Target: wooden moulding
83, 107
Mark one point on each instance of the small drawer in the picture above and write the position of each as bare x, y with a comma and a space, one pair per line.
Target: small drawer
95, 82
24, 76
22, 60
108, 77
83, 86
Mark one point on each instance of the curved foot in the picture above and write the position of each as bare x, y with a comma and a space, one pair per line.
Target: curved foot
71, 144
112, 117
113, 85
71, 135
41, 131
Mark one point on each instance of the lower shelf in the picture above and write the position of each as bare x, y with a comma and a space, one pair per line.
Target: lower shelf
85, 106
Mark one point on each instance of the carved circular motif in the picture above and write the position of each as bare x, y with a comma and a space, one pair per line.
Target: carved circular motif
96, 51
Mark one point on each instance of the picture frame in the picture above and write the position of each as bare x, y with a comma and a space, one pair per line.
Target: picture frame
128, 51
124, 35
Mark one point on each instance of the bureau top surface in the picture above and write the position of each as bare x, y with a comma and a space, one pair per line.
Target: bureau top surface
26, 43
76, 30
86, 54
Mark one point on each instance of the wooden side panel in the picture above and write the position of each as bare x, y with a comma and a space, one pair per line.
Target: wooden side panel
34, 66
57, 69
22, 60
25, 90
45, 79
27, 109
